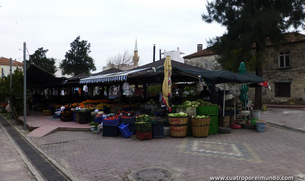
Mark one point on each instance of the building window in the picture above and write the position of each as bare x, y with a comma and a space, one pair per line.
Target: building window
284, 60
282, 89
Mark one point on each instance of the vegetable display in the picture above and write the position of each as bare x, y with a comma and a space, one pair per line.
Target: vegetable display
197, 103
180, 114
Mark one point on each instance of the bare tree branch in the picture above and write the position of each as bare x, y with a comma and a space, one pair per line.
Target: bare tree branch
120, 60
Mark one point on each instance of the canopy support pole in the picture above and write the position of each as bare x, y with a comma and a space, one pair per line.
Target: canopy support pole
224, 100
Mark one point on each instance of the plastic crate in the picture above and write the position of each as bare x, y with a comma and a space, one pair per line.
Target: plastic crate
73, 116
46, 112
191, 111
145, 127
84, 117
214, 120
132, 128
98, 120
76, 116
110, 131
66, 116
126, 108
124, 129
127, 120
56, 115
158, 130
213, 130
114, 122
210, 110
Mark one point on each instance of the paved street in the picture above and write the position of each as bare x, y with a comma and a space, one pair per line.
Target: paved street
87, 156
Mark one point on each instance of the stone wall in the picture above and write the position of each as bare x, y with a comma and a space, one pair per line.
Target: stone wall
271, 73
295, 74
206, 62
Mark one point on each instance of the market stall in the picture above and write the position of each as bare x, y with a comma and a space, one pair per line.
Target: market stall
117, 111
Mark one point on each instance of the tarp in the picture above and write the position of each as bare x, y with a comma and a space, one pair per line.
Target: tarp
38, 77
224, 76
180, 72
111, 77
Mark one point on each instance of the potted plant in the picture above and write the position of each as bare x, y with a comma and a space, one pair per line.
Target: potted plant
94, 127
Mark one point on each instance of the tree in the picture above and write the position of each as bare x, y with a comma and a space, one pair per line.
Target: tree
252, 24
120, 61
40, 59
16, 96
77, 60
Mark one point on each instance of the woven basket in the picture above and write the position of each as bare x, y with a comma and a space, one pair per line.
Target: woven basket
200, 127
178, 126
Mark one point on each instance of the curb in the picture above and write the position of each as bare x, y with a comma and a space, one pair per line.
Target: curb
284, 106
26, 161
286, 127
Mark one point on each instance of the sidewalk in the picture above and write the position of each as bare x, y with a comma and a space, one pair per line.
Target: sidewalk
288, 117
44, 125
13, 163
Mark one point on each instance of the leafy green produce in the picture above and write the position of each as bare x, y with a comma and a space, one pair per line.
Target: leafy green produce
180, 114
202, 116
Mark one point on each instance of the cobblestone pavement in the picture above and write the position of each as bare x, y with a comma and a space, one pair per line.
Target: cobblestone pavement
12, 166
244, 152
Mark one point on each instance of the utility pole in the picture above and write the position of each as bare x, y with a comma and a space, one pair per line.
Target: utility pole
24, 85
11, 83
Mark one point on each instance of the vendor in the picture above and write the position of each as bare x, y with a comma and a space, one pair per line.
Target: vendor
205, 94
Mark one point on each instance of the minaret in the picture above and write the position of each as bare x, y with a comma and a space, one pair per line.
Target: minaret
135, 56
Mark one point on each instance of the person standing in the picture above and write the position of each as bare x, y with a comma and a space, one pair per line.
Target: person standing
205, 94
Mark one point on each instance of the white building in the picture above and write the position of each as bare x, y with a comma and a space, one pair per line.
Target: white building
174, 54
5, 66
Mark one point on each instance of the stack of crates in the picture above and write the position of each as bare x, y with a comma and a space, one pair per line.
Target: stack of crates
212, 111
66, 116
130, 121
110, 127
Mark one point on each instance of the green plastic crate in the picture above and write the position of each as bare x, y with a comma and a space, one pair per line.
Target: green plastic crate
214, 120
210, 110
213, 130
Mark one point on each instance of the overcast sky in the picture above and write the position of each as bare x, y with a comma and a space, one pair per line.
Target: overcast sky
110, 26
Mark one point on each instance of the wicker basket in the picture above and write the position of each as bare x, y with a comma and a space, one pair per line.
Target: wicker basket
178, 126
200, 127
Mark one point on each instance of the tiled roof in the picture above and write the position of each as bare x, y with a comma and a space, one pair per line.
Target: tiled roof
295, 37
202, 53
290, 37
6, 61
